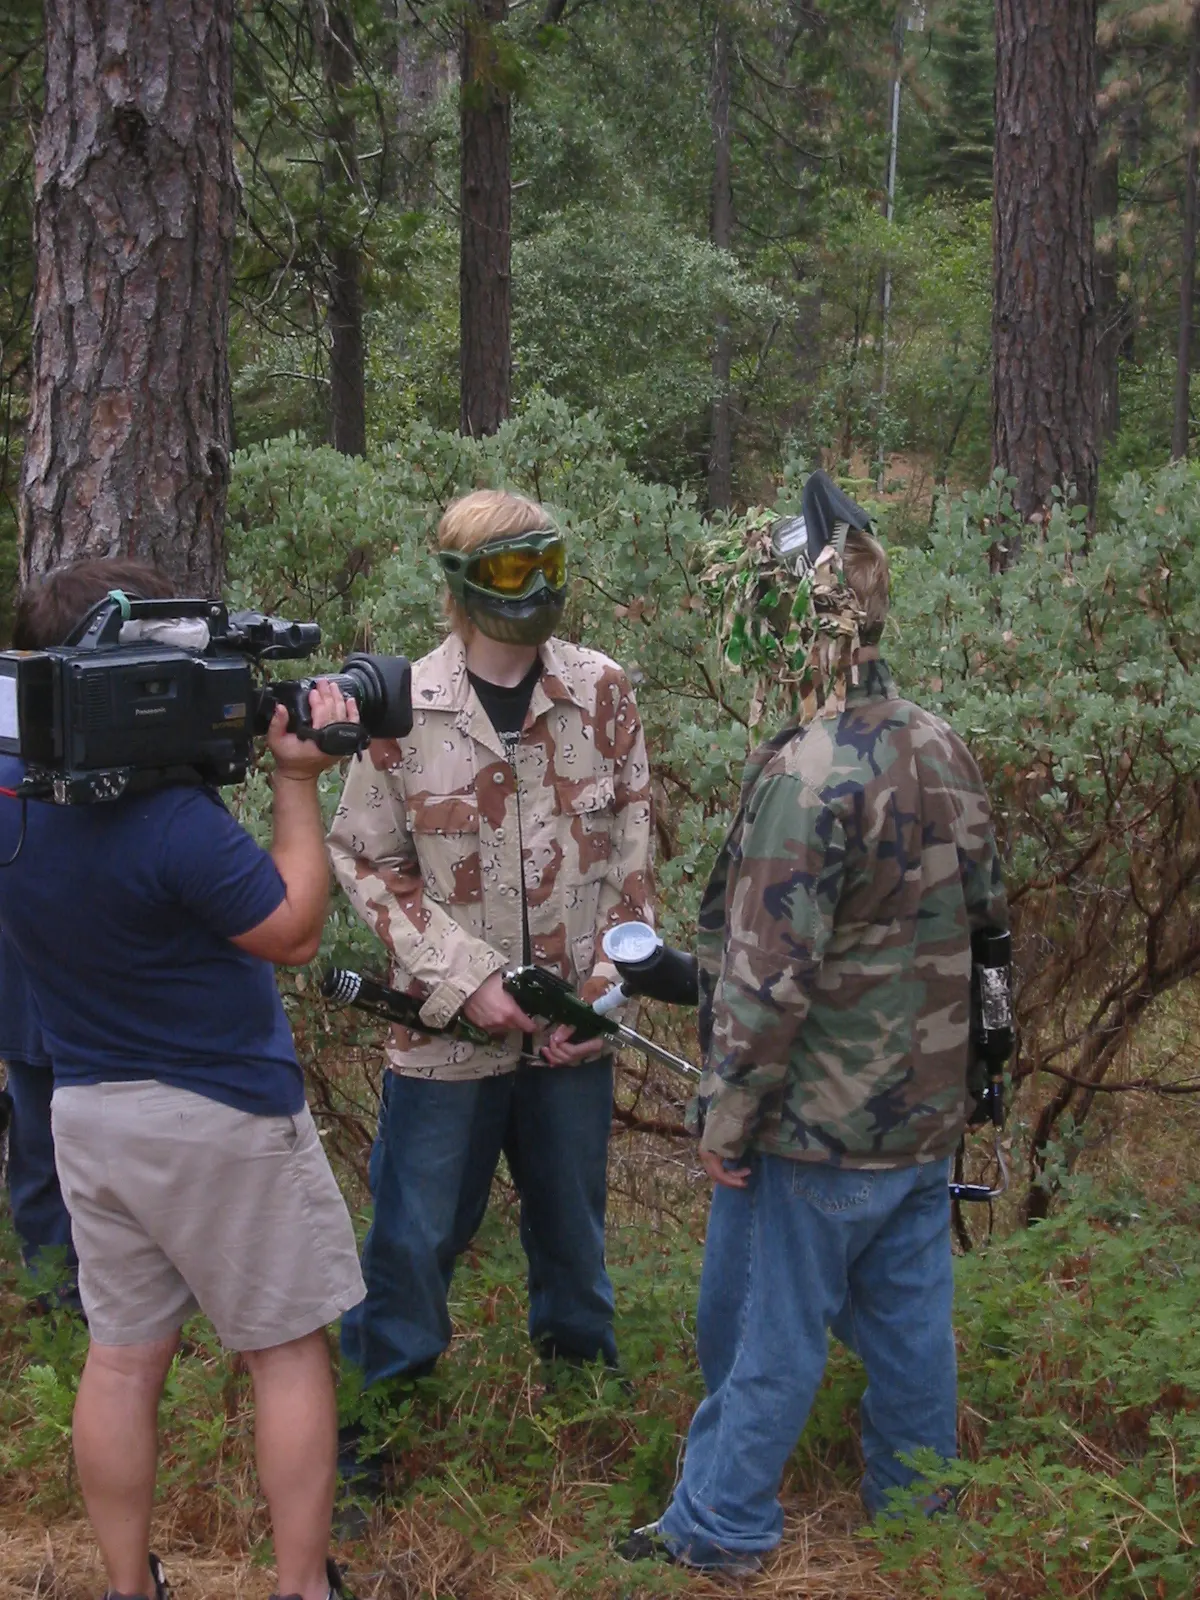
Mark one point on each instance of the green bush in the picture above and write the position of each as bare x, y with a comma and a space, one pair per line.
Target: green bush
1081, 1399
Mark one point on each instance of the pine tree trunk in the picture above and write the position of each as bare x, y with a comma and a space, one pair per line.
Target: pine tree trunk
1180, 433
720, 448
1043, 320
485, 240
135, 204
334, 28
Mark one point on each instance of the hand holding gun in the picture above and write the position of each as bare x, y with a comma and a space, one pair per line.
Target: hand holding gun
544, 994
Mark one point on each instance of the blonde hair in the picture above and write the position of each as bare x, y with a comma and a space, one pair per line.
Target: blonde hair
865, 564
474, 520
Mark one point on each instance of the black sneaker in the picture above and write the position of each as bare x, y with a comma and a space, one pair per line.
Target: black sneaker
560, 1365
162, 1590
645, 1544
648, 1544
360, 1485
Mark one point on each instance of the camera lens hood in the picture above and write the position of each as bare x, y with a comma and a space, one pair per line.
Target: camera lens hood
382, 685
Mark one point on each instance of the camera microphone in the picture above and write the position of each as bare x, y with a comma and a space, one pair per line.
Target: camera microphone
341, 987
345, 988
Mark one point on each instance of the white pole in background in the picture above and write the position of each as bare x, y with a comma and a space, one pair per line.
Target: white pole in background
903, 22
898, 53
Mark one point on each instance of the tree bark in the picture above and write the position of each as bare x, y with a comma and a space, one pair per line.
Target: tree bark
1180, 432
485, 239
134, 209
1043, 319
720, 448
334, 28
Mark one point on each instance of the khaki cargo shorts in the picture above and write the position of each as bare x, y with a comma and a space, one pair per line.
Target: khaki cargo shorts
179, 1203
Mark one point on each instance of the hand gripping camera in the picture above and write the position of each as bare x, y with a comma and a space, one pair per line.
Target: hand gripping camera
146, 691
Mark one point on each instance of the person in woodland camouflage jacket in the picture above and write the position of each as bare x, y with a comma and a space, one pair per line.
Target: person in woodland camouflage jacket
512, 825
835, 938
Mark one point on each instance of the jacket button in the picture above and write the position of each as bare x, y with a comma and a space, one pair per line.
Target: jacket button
497, 777
499, 835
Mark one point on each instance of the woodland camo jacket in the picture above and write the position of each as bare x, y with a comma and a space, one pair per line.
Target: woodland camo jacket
835, 940
432, 830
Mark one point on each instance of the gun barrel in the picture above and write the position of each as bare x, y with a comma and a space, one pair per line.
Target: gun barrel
344, 988
638, 1041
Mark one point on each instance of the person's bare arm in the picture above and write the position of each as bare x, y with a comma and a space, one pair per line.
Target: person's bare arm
291, 935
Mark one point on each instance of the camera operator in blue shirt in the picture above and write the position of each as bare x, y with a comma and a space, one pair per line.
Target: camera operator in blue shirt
147, 927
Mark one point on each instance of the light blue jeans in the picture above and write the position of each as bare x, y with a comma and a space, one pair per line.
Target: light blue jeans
804, 1249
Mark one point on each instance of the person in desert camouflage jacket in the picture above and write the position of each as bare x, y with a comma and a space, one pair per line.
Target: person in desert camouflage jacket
835, 949
513, 824
429, 846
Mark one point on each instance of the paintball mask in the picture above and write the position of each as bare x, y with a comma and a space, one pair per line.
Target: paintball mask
826, 517
513, 589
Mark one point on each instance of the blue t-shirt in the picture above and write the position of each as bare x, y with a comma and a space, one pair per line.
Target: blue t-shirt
122, 914
20, 1025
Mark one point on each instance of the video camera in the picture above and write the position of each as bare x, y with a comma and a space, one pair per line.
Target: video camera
145, 690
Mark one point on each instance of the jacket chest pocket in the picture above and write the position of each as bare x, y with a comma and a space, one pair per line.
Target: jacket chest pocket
586, 814
445, 835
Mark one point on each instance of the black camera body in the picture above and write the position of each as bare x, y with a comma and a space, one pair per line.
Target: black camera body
91, 717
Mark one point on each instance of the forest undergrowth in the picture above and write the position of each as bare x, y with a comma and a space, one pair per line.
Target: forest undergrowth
1080, 1419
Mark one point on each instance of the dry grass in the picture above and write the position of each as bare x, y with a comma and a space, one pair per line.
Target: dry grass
414, 1556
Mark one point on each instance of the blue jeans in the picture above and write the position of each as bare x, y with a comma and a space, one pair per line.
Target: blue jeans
39, 1212
801, 1250
431, 1173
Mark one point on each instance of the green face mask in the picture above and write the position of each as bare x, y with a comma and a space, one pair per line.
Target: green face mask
515, 589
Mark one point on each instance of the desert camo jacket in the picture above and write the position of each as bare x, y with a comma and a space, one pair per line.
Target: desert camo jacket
835, 940
436, 833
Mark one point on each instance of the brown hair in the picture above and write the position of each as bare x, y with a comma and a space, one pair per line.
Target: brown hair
865, 564
50, 607
474, 520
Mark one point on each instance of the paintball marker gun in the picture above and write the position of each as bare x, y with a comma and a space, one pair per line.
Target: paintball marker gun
542, 994
992, 1041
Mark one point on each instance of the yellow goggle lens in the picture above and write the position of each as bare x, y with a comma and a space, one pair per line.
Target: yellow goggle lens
510, 572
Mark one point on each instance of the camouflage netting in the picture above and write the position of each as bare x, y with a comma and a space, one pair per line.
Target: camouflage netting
793, 631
